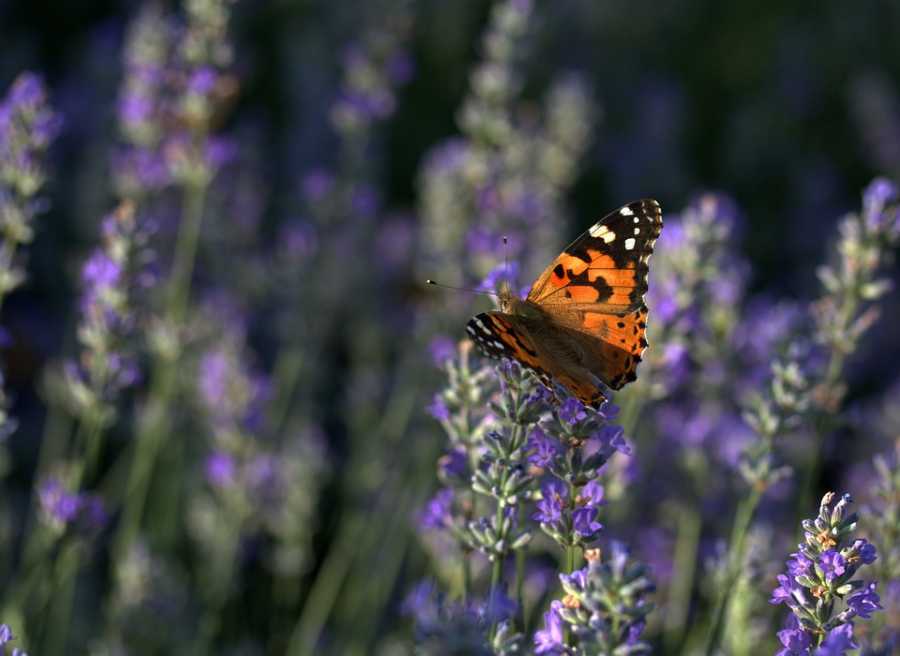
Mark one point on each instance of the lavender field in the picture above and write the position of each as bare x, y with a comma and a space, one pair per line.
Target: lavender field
234, 419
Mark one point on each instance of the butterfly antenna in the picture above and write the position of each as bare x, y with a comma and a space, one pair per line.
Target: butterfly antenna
506, 274
460, 289
506, 255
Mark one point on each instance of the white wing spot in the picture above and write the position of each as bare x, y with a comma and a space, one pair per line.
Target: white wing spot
637, 231
626, 211
498, 345
598, 230
602, 232
637, 220
629, 243
480, 325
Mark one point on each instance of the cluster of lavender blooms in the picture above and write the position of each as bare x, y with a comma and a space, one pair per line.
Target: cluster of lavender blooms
711, 354
6, 636
175, 84
806, 380
881, 521
247, 492
507, 174
510, 443
852, 281
62, 508
28, 126
820, 587
603, 610
108, 362
373, 70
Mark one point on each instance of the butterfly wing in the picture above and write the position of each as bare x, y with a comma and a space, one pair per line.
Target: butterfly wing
498, 335
596, 288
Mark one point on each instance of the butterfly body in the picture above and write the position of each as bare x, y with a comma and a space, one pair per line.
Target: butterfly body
584, 320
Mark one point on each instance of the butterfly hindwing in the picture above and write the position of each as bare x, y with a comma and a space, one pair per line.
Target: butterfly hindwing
498, 335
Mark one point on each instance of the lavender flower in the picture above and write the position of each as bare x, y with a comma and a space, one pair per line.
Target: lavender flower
550, 639
794, 639
822, 574
446, 627
502, 473
605, 608
111, 281
27, 128
61, 508
438, 511
881, 519
571, 444
372, 70
851, 281
6, 636
838, 641
140, 167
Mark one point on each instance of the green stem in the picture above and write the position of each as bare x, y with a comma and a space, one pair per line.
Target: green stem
288, 368
356, 533
155, 422
496, 571
742, 521
466, 578
678, 603
305, 637
520, 585
218, 589
60, 618
186, 252
362, 617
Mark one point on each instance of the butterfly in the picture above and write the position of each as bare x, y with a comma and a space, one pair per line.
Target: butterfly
584, 318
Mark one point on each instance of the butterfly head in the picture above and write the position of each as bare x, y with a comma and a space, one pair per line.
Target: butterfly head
511, 303
505, 297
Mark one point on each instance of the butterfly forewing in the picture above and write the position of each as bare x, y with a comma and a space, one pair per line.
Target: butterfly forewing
607, 265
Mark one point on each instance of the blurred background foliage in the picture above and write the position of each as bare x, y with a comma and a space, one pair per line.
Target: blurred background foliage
790, 108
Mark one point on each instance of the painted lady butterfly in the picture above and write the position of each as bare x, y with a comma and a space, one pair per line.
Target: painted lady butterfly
584, 318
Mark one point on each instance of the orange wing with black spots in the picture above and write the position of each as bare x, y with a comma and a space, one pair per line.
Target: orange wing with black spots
607, 265
584, 319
